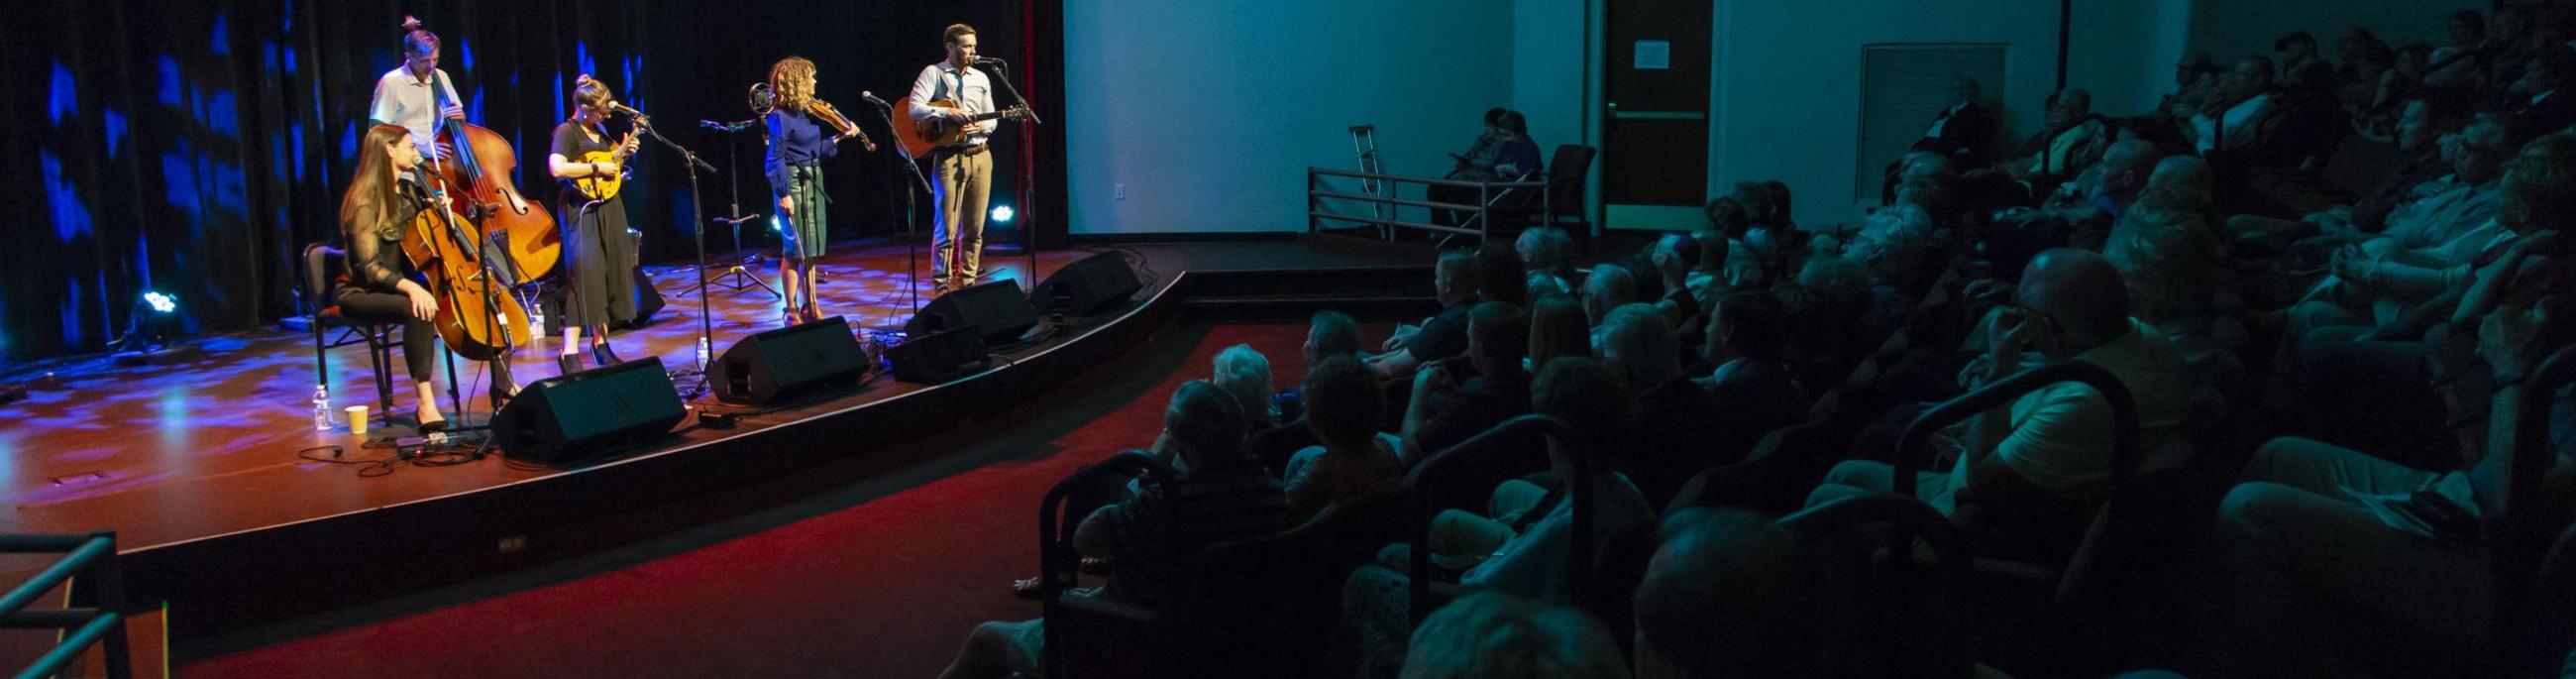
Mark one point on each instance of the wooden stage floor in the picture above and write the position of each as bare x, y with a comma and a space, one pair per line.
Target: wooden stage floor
208, 449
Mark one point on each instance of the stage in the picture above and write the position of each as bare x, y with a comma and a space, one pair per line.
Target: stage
200, 466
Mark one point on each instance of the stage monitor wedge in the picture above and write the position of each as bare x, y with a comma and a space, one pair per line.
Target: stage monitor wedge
997, 307
578, 416
1092, 285
777, 364
937, 357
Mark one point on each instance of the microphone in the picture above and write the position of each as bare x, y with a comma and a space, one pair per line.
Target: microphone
736, 126
871, 97
621, 108
991, 60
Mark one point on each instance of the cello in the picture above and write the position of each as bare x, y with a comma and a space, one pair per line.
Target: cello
476, 314
480, 171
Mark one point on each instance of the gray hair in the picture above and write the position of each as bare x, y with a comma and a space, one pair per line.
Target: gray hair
1640, 344
1245, 373
1492, 635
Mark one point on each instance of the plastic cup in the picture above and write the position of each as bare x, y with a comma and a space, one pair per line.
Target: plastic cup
357, 420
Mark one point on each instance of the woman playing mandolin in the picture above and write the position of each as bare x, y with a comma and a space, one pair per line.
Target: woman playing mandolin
597, 254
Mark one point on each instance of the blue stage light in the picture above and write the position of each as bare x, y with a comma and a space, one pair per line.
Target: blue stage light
1003, 213
160, 303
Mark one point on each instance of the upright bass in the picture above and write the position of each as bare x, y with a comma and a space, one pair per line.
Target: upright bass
477, 316
480, 172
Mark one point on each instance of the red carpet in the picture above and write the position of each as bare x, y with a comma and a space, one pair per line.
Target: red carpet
884, 588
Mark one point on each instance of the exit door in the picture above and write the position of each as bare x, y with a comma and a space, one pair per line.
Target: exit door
1654, 136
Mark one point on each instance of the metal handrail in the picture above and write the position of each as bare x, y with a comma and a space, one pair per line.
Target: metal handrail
1480, 213
92, 556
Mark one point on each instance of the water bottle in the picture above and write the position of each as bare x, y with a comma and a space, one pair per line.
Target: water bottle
705, 354
321, 407
537, 319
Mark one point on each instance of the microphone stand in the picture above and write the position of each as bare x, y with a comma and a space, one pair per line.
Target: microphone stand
735, 278
697, 222
911, 240
1026, 211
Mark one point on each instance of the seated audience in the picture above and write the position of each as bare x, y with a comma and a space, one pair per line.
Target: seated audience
1753, 388
1491, 635
1725, 596
1501, 276
2233, 121
1245, 374
2457, 64
2070, 141
1343, 404
2422, 253
1677, 419
2302, 69
1609, 287
2421, 122
1546, 251
1503, 154
1219, 495
1329, 333
1444, 412
2072, 305
2195, 81
1674, 256
1528, 554
1964, 130
2174, 264
1454, 281
2541, 106
1557, 329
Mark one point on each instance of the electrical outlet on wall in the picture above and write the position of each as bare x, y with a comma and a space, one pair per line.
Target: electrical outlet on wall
1118, 191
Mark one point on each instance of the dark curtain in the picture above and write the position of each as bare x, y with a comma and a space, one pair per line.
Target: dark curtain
195, 148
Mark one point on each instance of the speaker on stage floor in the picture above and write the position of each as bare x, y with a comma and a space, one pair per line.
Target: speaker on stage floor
1087, 287
936, 357
578, 416
768, 366
997, 307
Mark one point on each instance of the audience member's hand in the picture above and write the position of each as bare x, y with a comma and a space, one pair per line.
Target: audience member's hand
1433, 380
2505, 337
1989, 290
2005, 340
1402, 332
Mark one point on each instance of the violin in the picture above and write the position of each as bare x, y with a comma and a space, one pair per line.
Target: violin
477, 316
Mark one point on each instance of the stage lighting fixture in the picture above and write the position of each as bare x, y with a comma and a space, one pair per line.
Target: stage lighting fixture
160, 303
146, 330
1003, 214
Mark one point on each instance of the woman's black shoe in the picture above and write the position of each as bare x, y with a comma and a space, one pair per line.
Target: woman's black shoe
432, 426
601, 353
570, 363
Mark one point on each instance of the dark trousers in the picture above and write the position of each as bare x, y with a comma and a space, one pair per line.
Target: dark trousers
420, 342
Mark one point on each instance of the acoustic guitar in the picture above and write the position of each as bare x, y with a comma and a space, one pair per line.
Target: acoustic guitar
919, 137
604, 186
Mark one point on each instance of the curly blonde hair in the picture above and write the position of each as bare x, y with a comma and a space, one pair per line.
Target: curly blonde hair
787, 78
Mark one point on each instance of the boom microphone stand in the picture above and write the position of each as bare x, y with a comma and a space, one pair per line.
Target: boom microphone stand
697, 220
1025, 212
912, 244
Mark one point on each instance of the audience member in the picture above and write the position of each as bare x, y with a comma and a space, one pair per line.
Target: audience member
1501, 278
1528, 553
1218, 495
1245, 374
2423, 252
2072, 139
1491, 635
2072, 305
1753, 390
2541, 107
2234, 119
2195, 81
1609, 287
1454, 281
1444, 413
2456, 65
1504, 154
1558, 328
1725, 596
1964, 130
2302, 70
1677, 419
1546, 251
1343, 406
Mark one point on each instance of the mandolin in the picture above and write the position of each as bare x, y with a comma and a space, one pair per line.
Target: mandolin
604, 186
921, 136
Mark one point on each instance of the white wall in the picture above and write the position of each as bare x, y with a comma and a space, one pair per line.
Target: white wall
1787, 79
1548, 46
2124, 51
1210, 112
